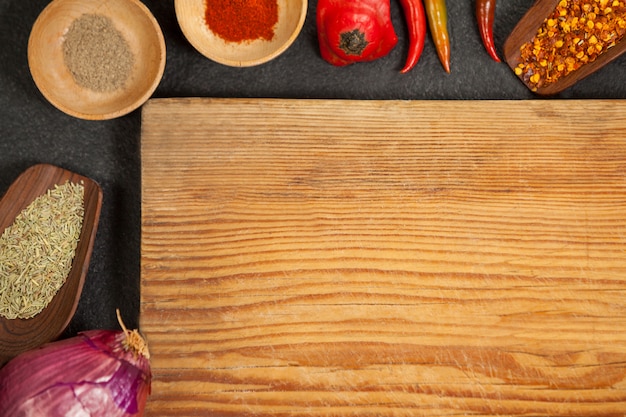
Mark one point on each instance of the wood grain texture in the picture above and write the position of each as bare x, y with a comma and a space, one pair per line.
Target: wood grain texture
384, 258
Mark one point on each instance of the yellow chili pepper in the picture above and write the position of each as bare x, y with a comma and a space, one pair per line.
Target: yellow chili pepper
437, 14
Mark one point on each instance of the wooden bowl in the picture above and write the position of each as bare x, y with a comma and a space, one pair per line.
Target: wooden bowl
51, 74
20, 335
527, 28
191, 18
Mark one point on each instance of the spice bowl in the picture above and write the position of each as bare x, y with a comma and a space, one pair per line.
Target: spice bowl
537, 17
240, 52
22, 333
96, 59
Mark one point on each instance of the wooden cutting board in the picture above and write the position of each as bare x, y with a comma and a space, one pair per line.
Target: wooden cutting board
384, 258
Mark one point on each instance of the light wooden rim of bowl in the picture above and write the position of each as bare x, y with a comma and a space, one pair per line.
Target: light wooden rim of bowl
38, 66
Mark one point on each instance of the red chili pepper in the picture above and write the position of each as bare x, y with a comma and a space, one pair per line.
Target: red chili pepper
415, 17
485, 13
352, 31
437, 14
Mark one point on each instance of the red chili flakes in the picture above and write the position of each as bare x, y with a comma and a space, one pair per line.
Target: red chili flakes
576, 32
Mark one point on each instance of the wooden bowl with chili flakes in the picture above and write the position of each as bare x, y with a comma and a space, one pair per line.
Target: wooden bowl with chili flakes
559, 42
96, 59
241, 33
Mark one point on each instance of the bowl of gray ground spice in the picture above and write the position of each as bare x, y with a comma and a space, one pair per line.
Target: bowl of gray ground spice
96, 59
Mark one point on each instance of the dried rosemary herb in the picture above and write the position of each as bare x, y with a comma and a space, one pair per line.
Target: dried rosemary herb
37, 250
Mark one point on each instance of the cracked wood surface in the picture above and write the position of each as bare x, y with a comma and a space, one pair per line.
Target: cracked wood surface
384, 258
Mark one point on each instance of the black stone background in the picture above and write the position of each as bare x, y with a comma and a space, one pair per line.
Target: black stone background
33, 131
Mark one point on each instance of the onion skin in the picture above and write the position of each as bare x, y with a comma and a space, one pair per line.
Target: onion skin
93, 374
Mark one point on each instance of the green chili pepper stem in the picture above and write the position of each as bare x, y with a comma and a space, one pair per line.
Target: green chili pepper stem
437, 14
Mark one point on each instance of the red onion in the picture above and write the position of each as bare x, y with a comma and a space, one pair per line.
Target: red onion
97, 373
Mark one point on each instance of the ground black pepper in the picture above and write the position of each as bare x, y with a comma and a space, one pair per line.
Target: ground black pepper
97, 54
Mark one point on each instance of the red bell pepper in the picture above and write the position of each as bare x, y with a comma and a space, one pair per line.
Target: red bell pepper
485, 13
352, 31
437, 14
415, 17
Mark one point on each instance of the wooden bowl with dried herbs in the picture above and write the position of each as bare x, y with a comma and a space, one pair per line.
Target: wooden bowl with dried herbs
559, 42
95, 59
48, 222
241, 33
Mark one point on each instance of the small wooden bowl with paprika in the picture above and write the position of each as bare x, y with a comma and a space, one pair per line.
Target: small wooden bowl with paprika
96, 59
241, 33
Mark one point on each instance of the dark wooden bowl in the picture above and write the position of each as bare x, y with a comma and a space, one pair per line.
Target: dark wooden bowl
526, 29
20, 335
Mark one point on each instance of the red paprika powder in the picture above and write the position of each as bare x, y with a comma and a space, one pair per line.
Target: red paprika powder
242, 20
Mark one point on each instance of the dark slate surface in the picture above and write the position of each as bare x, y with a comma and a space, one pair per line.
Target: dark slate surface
33, 131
